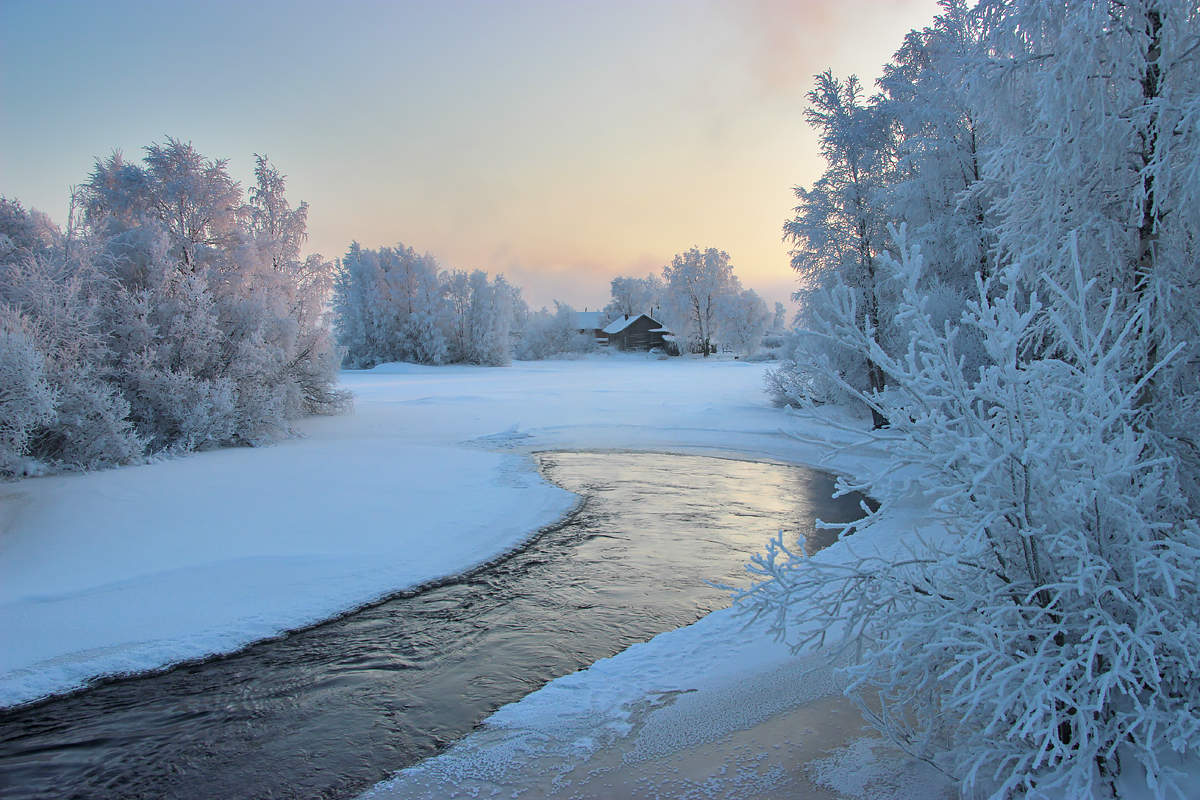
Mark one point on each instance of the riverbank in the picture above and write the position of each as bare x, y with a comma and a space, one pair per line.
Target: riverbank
717, 709
133, 569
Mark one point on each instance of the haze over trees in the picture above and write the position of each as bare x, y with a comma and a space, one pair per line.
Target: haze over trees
999, 263
545, 334
174, 313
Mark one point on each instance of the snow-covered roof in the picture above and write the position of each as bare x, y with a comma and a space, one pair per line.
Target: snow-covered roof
621, 323
588, 320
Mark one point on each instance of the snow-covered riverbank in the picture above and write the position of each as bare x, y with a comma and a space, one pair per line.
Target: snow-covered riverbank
133, 569
717, 709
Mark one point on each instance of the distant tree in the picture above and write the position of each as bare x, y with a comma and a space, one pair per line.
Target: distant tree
489, 321
551, 333
393, 304
698, 284
744, 321
779, 319
633, 296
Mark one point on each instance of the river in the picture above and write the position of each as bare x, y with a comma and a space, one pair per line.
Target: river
330, 710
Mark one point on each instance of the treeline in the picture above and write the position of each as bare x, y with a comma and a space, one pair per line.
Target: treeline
394, 304
174, 313
999, 262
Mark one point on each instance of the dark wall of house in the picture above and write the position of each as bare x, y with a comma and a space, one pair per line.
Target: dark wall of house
638, 336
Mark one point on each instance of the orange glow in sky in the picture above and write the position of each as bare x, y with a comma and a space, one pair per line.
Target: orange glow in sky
560, 143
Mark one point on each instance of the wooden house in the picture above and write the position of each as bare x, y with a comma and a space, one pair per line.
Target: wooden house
640, 332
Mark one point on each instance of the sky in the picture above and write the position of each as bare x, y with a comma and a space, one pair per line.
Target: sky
559, 143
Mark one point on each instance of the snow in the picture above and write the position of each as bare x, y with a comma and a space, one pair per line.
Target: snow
721, 693
588, 320
137, 568
133, 569
618, 325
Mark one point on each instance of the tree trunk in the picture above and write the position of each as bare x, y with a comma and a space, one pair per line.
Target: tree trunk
1144, 267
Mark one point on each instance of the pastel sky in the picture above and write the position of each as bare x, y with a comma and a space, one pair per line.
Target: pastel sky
560, 143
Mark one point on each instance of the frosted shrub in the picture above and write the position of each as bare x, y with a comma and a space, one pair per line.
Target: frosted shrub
814, 372
547, 335
1050, 639
91, 426
26, 399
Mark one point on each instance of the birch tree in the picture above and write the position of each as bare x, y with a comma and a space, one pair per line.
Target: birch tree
698, 283
839, 229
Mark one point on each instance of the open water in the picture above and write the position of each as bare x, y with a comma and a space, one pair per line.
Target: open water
330, 710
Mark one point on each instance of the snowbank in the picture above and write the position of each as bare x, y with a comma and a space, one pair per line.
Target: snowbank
719, 708
129, 570
137, 568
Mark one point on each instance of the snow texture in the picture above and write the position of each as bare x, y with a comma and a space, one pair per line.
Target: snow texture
688, 691
136, 568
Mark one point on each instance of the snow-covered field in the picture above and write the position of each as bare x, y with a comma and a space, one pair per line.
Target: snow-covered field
132, 569
136, 568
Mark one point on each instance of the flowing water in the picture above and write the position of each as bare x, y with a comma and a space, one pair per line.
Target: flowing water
328, 711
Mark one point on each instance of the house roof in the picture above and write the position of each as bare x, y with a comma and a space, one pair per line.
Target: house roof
621, 323
588, 320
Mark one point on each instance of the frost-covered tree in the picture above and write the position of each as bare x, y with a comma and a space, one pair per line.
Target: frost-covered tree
552, 333
26, 398
1027, 650
633, 296
1036, 642
1107, 91
938, 139
193, 199
25, 234
174, 316
839, 228
744, 321
303, 285
217, 321
54, 307
698, 284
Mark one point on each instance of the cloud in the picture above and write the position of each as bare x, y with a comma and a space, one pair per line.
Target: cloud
789, 41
